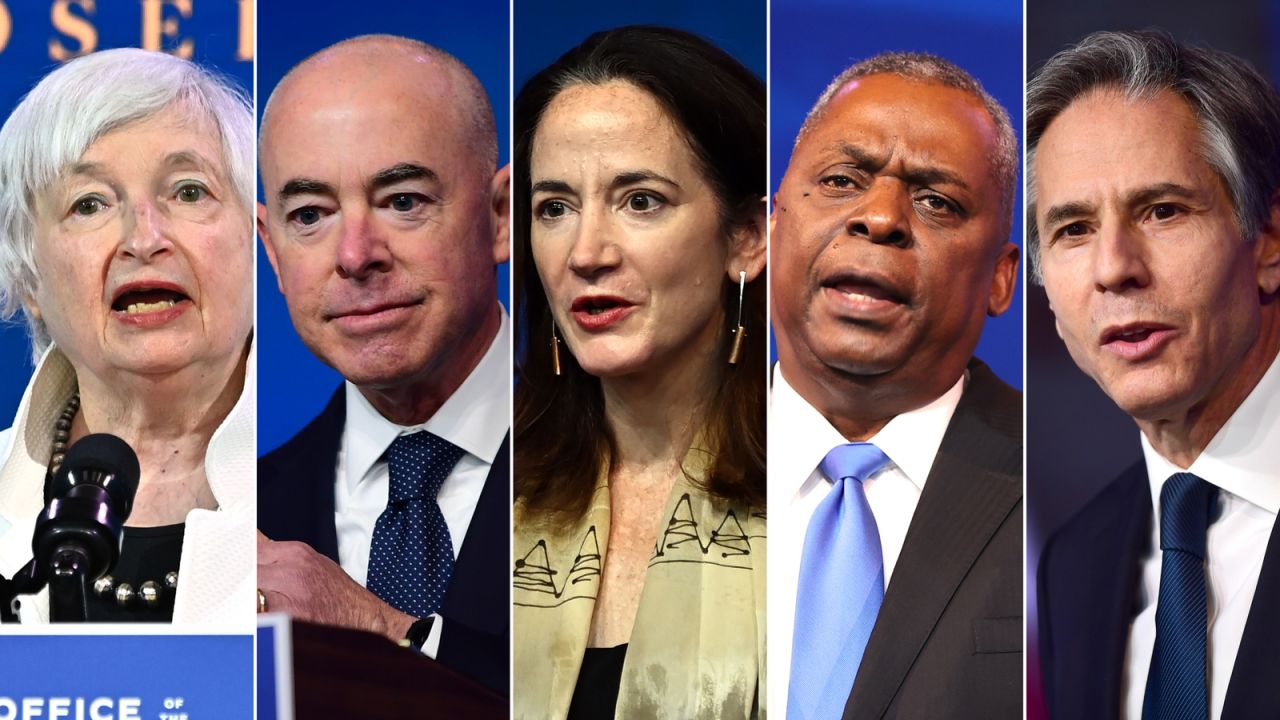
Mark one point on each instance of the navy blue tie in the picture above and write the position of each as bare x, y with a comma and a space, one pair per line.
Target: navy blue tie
411, 558
1176, 687
840, 589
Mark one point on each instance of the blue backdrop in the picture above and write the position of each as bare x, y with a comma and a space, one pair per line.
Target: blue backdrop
292, 385
814, 40
546, 29
34, 37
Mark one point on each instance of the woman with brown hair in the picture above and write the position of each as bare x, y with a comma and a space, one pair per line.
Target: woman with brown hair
640, 403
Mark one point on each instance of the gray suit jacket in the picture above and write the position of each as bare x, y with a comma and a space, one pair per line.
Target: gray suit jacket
948, 640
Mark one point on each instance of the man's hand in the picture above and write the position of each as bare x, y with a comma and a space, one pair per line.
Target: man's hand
309, 586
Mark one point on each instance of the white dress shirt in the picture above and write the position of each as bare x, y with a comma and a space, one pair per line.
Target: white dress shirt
475, 418
799, 438
1243, 461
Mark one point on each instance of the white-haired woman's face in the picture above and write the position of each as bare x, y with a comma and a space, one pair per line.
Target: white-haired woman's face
144, 253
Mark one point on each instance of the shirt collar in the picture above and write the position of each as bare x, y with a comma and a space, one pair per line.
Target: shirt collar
53, 381
474, 418
911, 440
1241, 457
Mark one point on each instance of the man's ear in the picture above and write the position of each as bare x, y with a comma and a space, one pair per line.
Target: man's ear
1003, 280
748, 245
1266, 250
500, 209
264, 232
773, 216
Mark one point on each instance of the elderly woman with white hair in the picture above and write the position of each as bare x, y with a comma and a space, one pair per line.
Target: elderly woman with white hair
126, 242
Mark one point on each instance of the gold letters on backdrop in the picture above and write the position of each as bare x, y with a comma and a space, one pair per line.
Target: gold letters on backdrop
73, 26
76, 35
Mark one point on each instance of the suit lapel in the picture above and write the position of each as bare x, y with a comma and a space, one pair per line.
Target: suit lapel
1254, 689
1106, 558
974, 485
323, 463
478, 594
296, 482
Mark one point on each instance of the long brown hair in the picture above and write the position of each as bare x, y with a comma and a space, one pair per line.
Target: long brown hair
562, 439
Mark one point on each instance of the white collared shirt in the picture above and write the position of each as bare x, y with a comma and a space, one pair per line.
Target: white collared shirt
475, 418
799, 438
1243, 460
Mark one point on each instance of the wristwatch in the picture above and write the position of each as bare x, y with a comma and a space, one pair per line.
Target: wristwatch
418, 632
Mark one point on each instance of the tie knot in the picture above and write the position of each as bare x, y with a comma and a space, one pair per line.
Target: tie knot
1185, 504
853, 460
419, 464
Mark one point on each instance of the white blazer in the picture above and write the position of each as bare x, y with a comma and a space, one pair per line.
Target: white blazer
217, 579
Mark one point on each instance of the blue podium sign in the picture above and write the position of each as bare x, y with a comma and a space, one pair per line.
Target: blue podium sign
126, 677
275, 668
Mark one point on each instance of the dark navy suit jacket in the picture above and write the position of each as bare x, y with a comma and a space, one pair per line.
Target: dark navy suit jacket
295, 502
1090, 572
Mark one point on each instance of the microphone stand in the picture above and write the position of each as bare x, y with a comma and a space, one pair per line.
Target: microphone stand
67, 585
78, 534
25, 582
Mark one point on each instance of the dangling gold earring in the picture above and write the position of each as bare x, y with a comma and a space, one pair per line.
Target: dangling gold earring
555, 349
739, 332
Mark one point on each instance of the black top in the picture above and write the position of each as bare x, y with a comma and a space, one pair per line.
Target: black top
147, 553
595, 697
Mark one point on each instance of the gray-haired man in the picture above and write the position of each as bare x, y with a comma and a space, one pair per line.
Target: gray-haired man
895, 462
1155, 228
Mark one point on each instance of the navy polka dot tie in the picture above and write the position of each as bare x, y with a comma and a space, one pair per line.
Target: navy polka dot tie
412, 554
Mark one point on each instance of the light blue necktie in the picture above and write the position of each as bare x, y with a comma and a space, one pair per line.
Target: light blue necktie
1176, 688
840, 590
411, 556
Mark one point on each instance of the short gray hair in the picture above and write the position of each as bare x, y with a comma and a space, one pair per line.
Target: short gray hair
68, 111
923, 67
1238, 111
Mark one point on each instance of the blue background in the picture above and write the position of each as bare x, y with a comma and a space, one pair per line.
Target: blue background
293, 386
214, 28
814, 40
545, 30
212, 674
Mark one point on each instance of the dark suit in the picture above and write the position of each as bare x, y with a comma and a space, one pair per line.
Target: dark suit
1090, 572
295, 502
948, 640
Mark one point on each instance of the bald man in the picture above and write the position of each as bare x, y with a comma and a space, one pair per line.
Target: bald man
384, 221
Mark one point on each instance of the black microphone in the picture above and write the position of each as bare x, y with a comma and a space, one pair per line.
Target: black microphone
77, 537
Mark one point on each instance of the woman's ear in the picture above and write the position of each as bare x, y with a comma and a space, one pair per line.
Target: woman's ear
748, 244
33, 309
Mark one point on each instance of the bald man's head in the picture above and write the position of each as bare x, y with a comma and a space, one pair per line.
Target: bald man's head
414, 64
385, 216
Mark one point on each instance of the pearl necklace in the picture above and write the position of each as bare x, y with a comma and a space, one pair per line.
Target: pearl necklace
62, 433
